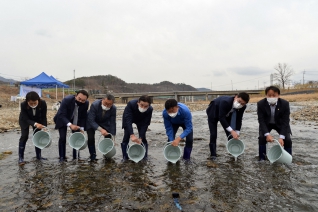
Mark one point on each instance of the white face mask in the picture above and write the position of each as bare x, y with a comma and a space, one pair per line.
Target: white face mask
105, 108
33, 107
237, 105
142, 110
172, 115
272, 101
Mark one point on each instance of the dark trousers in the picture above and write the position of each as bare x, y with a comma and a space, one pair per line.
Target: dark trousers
25, 134
270, 127
91, 142
62, 143
189, 137
24, 138
91, 137
213, 126
141, 132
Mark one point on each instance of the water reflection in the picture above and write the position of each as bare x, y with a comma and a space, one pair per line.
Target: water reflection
109, 185
180, 178
226, 187
35, 187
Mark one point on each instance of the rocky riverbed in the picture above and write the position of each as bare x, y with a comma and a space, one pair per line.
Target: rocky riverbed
203, 185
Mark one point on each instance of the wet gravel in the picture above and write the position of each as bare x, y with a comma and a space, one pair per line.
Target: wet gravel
203, 185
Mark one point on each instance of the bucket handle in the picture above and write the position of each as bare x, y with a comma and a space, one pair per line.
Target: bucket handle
44, 129
168, 143
142, 144
274, 141
112, 137
75, 132
228, 138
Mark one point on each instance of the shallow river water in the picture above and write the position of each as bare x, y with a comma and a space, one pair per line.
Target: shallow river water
203, 185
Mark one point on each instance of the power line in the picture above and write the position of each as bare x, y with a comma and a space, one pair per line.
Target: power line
17, 78
11, 75
242, 81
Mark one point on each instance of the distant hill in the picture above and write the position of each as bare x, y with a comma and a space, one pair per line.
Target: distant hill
203, 89
109, 83
5, 80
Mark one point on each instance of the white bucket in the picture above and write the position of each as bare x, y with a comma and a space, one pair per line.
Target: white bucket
172, 153
235, 147
278, 154
42, 139
136, 152
107, 147
78, 141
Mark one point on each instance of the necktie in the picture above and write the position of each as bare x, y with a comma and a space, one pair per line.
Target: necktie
75, 115
103, 114
233, 120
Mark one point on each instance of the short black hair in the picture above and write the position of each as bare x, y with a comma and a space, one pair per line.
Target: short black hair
32, 96
244, 96
85, 93
109, 97
145, 98
273, 88
170, 103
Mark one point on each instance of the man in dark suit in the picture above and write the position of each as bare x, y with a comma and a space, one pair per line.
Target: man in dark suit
229, 111
33, 112
138, 111
102, 117
73, 114
273, 113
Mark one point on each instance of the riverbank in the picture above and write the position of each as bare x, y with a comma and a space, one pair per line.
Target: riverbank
9, 113
203, 185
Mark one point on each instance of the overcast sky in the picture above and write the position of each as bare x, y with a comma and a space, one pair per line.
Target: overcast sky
200, 43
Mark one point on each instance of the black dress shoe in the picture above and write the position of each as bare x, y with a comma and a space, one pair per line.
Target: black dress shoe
213, 158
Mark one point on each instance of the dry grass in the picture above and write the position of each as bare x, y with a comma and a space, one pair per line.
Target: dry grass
9, 113
291, 98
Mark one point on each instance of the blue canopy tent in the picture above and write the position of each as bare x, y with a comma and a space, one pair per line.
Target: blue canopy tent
44, 81
60, 85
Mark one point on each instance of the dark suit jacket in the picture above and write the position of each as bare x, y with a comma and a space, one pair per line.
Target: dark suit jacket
26, 117
133, 115
219, 109
66, 110
95, 119
282, 113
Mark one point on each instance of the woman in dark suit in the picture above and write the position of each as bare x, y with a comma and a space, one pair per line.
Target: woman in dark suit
33, 112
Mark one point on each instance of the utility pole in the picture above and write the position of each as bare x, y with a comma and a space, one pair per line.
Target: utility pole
271, 79
74, 81
232, 85
211, 86
264, 84
303, 77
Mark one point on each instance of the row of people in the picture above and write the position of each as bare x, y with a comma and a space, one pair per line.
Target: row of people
273, 113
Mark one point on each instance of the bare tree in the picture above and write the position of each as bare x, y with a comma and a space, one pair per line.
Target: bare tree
284, 72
